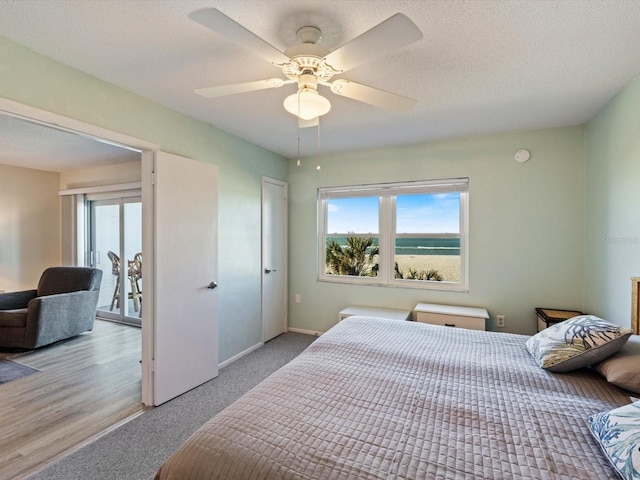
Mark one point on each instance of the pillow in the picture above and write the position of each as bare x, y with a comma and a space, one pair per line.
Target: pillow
623, 368
576, 343
618, 434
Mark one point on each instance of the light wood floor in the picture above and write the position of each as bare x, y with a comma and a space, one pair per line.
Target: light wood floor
85, 386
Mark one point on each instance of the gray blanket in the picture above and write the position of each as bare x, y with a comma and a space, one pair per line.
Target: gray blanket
385, 399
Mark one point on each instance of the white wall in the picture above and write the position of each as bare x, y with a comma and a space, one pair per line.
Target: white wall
612, 240
526, 225
29, 226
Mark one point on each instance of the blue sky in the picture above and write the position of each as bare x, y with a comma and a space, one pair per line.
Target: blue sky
436, 213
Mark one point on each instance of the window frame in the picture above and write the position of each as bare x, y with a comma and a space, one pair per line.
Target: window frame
387, 193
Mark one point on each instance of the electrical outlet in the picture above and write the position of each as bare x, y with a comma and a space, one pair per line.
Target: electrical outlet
500, 321
298, 298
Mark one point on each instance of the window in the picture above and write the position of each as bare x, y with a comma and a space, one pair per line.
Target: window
411, 234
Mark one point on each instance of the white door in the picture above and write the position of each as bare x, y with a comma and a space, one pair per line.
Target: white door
185, 309
274, 258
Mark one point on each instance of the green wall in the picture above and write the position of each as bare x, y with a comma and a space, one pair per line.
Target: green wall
526, 225
35, 80
612, 215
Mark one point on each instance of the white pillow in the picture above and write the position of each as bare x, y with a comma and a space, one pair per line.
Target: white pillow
576, 343
623, 368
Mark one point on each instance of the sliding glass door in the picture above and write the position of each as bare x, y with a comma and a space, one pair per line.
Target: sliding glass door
115, 240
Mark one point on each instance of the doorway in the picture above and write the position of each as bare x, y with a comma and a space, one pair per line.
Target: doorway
157, 324
274, 258
115, 247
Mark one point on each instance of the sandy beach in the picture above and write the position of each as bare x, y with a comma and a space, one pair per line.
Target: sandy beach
447, 265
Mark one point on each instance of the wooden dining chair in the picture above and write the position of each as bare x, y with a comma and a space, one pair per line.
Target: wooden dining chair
135, 275
115, 269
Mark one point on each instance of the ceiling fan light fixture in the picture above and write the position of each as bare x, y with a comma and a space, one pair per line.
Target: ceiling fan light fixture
307, 104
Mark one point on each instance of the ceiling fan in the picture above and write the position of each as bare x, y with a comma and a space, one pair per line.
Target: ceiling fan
309, 64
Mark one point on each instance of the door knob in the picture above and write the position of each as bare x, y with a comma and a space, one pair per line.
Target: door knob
266, 270
212, 285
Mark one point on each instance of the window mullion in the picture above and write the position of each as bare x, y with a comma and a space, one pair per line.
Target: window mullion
322, 223
387, 220
464, 239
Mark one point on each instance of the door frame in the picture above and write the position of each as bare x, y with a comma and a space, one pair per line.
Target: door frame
285, 258
147, 149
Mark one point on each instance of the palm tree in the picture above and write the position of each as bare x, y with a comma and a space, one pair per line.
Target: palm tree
413, 274
432, 274
356, 258
397, 272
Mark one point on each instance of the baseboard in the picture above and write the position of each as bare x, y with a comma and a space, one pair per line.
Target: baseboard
240, 355
306, 332
258, 345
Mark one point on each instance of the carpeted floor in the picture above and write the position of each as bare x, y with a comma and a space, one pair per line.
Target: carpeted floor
137, 449
13, 371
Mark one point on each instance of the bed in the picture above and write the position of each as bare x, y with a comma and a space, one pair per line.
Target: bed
381, 399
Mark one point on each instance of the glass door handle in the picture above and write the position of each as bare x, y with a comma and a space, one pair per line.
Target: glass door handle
266, 270
212, 285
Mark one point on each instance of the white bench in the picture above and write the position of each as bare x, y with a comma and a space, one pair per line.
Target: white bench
377, 312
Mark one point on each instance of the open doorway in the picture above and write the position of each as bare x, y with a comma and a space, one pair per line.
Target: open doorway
176, 355
103, 366
88, 134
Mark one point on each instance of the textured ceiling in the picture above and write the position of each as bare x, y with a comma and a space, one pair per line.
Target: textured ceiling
28, 145
482, 67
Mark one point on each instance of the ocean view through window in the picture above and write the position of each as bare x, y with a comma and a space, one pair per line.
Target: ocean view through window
411, 234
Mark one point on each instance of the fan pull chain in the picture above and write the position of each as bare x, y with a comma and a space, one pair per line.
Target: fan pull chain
298, 123
298, 162
318, 148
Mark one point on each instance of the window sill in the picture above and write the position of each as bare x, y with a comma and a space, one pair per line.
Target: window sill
441, 286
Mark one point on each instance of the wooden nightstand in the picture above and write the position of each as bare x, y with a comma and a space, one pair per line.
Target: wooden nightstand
551, 316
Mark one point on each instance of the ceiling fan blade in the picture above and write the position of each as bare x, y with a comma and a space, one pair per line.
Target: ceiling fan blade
233, 88
217, 21
393, 33
372, 96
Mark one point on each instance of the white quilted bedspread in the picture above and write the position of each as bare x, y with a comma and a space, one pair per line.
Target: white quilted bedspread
385, 399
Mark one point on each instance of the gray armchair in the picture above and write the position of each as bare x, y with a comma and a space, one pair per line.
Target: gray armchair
63, 306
